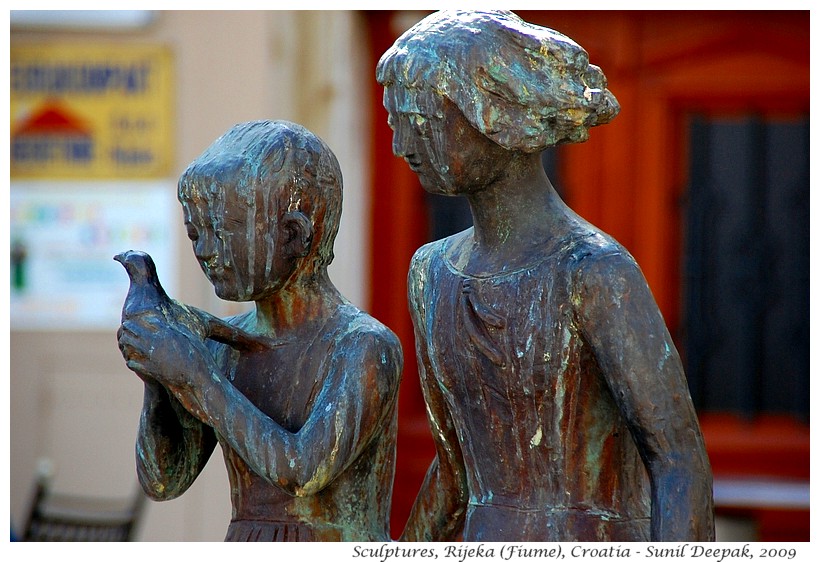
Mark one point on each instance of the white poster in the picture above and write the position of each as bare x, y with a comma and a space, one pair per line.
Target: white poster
64, 236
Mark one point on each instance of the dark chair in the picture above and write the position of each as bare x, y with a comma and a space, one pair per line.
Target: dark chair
73, 518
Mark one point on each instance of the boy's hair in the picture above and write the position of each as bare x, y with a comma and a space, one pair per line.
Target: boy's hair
276, 167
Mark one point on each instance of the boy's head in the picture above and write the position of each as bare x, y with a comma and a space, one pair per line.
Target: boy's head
262, 202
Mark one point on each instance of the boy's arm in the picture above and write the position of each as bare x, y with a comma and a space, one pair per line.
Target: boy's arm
358, 396
620, 320
356, 401
172, 446
440, 507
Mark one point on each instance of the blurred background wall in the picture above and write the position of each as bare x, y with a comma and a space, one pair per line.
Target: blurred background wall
74, 402
703, 177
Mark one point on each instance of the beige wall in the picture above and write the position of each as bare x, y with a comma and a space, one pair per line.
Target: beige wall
72, 400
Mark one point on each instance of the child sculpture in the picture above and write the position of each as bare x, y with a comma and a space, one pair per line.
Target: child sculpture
557, 400
304, 401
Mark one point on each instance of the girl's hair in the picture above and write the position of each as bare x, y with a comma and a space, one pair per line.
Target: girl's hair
275, 167
524, 86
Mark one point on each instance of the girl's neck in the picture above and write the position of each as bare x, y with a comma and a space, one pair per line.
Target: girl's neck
514, 219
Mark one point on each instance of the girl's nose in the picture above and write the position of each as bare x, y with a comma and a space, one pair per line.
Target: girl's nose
402, 140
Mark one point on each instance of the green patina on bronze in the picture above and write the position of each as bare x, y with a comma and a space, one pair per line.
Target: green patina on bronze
557, 402
301, 392
549, 92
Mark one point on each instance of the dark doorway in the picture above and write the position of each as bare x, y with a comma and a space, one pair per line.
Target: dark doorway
746, 265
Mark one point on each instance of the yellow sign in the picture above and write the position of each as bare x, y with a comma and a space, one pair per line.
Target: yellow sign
91, 111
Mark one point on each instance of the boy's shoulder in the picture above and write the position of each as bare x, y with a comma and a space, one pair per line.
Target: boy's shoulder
355, 322
362, 338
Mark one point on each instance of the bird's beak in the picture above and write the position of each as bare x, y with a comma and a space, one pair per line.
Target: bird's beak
120, 258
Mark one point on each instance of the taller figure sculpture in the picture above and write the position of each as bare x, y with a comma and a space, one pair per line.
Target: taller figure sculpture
556, 397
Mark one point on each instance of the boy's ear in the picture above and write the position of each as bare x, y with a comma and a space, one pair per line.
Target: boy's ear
298, 231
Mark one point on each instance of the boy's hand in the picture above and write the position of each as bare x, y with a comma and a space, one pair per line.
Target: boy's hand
166, 351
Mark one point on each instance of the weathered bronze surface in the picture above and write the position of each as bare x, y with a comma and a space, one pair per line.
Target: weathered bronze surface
557, 400
302, 398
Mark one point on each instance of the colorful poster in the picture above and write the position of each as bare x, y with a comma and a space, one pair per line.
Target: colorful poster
63, 240
91, 111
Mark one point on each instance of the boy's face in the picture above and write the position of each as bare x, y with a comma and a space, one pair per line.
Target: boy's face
238, 245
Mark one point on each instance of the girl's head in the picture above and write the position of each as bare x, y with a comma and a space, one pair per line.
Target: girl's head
524, 86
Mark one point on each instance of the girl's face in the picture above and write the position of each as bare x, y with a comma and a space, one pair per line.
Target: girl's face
448, 154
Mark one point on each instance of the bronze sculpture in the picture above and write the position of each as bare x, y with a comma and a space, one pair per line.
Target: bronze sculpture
556, 398
302, 398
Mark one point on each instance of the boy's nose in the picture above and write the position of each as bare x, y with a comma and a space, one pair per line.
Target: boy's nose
205, 248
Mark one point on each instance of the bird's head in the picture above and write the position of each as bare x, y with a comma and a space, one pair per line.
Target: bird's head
138, 265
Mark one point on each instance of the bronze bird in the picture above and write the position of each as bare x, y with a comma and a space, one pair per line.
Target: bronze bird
146, 293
